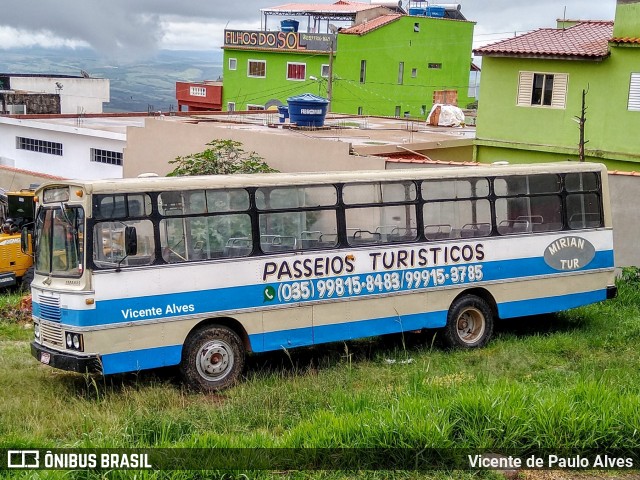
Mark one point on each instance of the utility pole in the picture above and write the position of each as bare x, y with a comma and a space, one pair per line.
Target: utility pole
582, 119
330, 79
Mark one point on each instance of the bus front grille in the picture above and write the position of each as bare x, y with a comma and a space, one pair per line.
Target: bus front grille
52, 334
50, 308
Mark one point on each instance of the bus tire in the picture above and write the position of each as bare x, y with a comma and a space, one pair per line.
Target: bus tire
212, 359
469, 323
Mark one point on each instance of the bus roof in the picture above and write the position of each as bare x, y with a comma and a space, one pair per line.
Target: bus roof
149, 184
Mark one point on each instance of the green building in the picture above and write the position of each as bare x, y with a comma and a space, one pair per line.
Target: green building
531, 96
381, 62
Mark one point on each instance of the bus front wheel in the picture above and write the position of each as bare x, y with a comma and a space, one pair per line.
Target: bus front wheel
212, 359
469, 323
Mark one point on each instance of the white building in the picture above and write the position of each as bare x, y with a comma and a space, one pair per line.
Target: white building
78, 95
83, 147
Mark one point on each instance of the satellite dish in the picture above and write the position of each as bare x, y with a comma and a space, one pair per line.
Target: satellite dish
333, 28
84, 74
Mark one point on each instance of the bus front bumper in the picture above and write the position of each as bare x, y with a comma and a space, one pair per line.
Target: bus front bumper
66, 361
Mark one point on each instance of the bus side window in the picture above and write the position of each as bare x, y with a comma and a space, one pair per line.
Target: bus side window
381, 224
457, 219
109, 247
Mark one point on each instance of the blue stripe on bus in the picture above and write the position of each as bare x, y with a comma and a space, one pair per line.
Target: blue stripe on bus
171, 355
135, 360
537, 306
378, 326
109, 312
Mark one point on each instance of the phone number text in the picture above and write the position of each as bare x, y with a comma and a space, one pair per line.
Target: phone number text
374, 283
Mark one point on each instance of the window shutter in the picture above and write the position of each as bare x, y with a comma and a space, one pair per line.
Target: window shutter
525, 89
559, 96
634, 93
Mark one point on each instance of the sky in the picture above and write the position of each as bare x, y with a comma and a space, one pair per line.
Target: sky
129, 30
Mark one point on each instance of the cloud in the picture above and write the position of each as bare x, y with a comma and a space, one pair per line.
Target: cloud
125, 30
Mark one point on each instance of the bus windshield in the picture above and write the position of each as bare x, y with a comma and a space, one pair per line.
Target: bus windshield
59, 245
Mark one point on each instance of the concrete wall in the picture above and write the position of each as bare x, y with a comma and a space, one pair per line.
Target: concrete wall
77, 143
34, 103
150, 149
78, 95
624, 191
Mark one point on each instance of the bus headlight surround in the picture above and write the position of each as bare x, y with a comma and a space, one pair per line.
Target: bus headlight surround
36, 330
74, 341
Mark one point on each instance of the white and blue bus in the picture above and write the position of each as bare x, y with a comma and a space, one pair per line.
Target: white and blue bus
198, 272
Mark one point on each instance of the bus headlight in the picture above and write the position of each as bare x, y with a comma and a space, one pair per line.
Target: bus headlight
36, 330
74, 341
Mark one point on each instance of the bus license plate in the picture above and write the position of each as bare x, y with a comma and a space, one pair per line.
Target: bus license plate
45, 358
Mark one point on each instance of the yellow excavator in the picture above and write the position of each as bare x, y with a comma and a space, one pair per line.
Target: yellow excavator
18, 209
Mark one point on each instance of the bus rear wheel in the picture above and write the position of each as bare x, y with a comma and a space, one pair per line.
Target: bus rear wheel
212, 359
469, 323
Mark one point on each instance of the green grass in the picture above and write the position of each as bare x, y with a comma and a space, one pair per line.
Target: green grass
570, 380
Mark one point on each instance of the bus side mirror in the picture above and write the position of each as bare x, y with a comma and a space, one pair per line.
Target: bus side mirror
131, 241
24, 241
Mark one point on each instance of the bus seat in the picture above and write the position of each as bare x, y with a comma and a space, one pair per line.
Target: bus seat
585, 220
328, 240
532, 219
237, 247
510, 227
361, 237
401, 234
310, 239
472, 230
437, 231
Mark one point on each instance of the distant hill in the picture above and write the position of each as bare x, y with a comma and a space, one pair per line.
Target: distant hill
135, 87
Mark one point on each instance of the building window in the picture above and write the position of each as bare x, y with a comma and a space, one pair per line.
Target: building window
360, 110
634, 93
252, 106
40, 146
198, 91
296, 71
106, 156
324, 71
414, 72
257, 68
400, 73
363, 71
233, 64
231, 106
435, 66
542, 89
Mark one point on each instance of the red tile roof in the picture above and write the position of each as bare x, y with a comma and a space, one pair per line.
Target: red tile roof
625, 40
371, 25
587, 39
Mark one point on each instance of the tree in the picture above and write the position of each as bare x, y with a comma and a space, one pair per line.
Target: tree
223, 157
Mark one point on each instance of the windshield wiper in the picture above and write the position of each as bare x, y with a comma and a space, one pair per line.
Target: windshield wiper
63, 209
